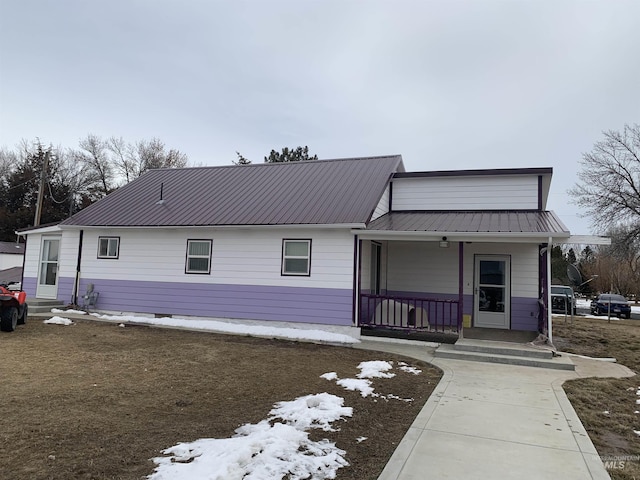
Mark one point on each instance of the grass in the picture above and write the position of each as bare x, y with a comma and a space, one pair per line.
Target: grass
96, 401
612, 432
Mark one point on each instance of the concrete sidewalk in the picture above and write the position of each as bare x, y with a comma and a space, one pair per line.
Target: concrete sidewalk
494, 421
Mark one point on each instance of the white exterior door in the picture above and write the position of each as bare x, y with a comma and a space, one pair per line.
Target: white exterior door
48, 268
492, 292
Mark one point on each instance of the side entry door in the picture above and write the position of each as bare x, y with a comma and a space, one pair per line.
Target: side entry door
492, 291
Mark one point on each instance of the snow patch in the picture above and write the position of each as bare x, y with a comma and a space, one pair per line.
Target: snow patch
55, 320
264, 451
361, 439
361, 385
408, 369
371, 369
236, 328
58, 310
375, 369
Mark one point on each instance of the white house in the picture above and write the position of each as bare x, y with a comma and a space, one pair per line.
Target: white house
11, 255
353, 243
11, 259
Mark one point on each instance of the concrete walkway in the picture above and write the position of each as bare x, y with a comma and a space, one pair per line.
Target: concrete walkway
493, 421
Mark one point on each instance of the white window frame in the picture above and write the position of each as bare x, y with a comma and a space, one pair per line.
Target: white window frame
109, 240
286, 257
208, 257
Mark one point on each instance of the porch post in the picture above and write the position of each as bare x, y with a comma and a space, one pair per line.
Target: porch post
460, 286
357, 248
548, 292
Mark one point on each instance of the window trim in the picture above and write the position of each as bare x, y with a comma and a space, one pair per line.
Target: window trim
285, 257
107, 256
187, 257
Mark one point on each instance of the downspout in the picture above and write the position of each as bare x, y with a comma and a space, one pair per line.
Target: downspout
460, 288
76, 283
548, 292
24, 261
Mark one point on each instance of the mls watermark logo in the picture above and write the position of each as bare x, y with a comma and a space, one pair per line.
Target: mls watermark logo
618, 462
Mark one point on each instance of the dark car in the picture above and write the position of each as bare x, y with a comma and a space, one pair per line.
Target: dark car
618, 304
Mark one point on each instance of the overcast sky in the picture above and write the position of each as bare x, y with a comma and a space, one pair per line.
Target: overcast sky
447, 84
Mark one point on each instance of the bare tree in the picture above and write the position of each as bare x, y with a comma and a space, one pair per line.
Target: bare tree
123, 157
609, 187
8, 159
150, 154
94, 154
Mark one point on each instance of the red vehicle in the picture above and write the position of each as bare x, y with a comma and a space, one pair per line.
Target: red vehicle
13, 308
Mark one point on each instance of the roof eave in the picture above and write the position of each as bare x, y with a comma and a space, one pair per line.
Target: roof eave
491, 237
348, 226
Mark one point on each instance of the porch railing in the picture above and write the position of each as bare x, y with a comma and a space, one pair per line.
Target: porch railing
410, 313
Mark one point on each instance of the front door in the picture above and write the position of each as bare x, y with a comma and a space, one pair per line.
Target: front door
48, 270
492, 292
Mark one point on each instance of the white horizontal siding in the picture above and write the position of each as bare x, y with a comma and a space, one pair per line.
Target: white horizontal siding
513, 192
68, 254
383, 205
239, 256
365, 266
524, 266
422, 267
425, 267
10, 260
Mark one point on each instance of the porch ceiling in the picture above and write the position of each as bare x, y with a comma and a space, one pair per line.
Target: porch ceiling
471, 225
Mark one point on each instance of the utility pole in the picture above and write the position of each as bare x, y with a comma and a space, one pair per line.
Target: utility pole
43, 179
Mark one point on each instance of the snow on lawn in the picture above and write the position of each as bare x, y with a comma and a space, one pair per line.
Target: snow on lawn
375, 369
408, 368
275, 448
371, 369
58, 321
78, 312
237, 328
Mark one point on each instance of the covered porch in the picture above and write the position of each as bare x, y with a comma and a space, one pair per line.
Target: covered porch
444, 272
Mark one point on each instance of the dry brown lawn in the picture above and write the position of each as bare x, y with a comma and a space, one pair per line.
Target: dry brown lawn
612, 433
96, 401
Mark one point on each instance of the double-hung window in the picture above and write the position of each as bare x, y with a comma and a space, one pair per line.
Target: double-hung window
296, 257
198, 256
108, 247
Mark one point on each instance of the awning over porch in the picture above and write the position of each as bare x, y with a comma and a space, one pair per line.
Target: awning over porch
470, 225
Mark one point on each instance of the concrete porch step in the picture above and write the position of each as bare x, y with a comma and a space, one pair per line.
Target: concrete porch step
501, 348
40, 305
557, 363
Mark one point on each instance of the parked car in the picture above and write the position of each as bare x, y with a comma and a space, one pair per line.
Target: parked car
560, 295
618, 304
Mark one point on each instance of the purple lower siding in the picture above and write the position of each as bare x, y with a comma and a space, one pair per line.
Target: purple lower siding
524, 314
65, 288
253, 302
524, 311
29, 285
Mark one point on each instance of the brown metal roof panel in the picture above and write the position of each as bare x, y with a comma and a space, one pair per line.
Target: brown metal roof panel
12, 248
313, 192
474, 222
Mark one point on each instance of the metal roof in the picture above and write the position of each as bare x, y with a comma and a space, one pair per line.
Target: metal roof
12, 248
342, 191
534, 222
13, 274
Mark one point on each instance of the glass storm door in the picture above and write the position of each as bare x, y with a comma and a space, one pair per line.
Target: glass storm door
48, 268
492, 292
